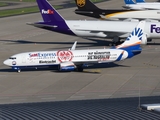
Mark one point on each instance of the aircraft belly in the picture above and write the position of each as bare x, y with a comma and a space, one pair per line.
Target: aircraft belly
137, 15
110, 29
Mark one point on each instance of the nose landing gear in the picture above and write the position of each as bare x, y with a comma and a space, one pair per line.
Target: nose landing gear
18, 70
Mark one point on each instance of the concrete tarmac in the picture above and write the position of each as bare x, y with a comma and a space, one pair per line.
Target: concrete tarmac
129, 78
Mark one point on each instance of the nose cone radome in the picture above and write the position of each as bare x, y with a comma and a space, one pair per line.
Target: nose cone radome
7, 62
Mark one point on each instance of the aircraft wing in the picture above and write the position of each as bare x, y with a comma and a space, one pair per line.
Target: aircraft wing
99, 30
107, 32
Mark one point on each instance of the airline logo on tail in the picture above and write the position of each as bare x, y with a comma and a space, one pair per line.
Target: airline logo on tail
47, 11
81, 3
136, 37
136, 33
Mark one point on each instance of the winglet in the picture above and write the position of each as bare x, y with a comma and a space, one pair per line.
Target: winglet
74, 46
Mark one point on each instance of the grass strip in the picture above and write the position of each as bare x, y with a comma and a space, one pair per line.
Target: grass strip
3, 4
94, 1
19, 11
21, 0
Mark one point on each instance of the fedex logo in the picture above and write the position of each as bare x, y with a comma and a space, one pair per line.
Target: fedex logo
155, 29
47, 11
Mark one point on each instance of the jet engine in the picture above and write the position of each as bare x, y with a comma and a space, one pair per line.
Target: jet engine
144, 39
67, 66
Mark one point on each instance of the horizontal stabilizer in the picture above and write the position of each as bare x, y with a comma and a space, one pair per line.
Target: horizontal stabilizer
42, 25
78, 11
134, 51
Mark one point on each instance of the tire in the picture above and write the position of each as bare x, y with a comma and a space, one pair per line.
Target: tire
80, 69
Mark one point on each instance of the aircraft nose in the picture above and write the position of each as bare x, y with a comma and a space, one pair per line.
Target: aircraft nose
7, 62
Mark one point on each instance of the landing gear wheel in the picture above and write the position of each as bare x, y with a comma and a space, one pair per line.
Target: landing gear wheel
19, 71
116, 41
113, 44
80, 69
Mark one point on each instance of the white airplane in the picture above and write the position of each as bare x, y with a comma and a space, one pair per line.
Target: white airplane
143, 1
115, 30
91, 10
69, 60
141, 5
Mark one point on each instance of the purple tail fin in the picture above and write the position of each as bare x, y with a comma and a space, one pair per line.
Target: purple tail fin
48, 12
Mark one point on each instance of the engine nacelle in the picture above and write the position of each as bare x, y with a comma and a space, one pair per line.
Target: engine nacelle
144, 39
67, 66
149, 40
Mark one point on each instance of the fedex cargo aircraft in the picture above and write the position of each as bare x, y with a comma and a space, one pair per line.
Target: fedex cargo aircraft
115, 30
69, 60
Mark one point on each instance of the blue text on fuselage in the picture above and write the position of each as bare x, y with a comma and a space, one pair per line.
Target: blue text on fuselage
42, 54
155, 29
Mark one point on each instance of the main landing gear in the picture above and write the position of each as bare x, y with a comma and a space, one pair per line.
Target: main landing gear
115, 41
80, 68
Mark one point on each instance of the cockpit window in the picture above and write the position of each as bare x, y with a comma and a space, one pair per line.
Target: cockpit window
13, 58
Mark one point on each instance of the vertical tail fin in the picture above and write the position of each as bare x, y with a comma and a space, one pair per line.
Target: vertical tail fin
48, 12
85, 5
140, 1
129, 2
136, 37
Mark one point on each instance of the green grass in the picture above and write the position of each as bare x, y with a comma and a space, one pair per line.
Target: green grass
3, 4
20, 11
20, 0
94, 1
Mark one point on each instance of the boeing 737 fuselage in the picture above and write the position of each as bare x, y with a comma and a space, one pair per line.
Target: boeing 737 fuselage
76, 59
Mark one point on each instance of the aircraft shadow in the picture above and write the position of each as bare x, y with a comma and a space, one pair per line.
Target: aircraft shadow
153, 43
30, 69
95, 42
55, 68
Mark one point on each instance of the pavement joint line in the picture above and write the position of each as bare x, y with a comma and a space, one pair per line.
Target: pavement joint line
104, 95
132, 94
77, 97
48, 98
19, 100
156, 93
125, 82
85, 86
